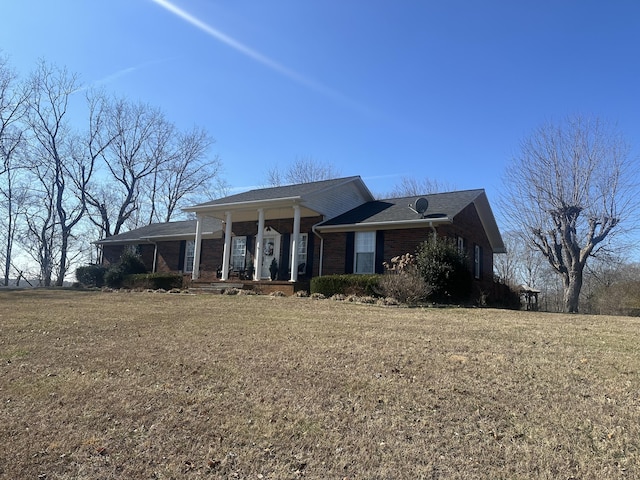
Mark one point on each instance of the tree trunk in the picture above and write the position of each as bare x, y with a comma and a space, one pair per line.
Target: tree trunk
572, 287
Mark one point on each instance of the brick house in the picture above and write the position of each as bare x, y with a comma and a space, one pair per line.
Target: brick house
321, 228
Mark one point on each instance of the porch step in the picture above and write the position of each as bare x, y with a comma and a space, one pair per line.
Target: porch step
215, 287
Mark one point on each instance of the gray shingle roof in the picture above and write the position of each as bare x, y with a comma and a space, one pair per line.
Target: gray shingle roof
285, 191
176, 230
441, 205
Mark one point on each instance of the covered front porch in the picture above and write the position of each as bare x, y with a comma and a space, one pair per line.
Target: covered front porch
262, 243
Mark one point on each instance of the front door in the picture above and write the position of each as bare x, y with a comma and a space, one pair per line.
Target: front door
271, 252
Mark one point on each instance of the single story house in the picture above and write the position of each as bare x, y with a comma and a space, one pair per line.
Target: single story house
295, 232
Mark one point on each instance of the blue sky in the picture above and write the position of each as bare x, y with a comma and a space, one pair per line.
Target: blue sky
377, 88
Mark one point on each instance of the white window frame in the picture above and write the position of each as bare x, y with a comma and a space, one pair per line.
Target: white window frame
303, 242
238, 252
364, 246
189, 254
461, 243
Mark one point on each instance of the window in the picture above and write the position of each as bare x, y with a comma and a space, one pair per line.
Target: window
189, 252
477, 261
238, 252
365, 251
303, 240
460, 241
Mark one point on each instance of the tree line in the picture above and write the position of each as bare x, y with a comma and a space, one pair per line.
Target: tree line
62, 185
570, 194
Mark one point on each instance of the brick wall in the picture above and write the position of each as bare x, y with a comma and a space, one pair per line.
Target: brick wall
335, 250
398, 242
169, 257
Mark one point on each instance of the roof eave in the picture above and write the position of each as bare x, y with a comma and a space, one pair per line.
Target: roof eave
231, 206
157, 238
387, 225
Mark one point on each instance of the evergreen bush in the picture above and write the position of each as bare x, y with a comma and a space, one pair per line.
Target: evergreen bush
444, 267
130, 263
154, 281
91, 275
348, 284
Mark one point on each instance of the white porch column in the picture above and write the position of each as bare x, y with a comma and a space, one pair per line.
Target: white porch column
197, 248
295, 244
257, 260
226, 256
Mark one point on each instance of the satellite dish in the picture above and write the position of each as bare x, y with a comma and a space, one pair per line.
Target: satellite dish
421, 205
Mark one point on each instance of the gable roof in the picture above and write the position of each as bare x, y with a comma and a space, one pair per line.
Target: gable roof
299, 190
395, 213
181, 230
325, 197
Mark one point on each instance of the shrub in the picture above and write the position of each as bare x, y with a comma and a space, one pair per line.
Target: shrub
114, 276
330, 285
154, 281
445, 269
91, 275
403, 282
129, 264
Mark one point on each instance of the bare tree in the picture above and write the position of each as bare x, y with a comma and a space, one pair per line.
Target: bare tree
58, 156
303, 170
137, 137
14, 195
506, 265
12, 102
39, 237
571, 189
187, 174
411, 186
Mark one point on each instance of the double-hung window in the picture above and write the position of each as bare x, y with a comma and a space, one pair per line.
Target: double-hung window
238, 252
189, 252
365, 252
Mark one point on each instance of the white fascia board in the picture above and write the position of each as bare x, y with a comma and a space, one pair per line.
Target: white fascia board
285, 201
423, 222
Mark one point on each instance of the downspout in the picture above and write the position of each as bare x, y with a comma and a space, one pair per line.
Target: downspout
155, 256
315, 232
435, 232
155, 253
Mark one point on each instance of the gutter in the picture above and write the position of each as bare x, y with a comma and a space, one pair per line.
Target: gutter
386, 225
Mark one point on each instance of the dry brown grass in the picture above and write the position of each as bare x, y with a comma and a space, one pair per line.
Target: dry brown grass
101, 386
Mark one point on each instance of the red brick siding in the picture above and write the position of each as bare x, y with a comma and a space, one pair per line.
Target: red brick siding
169, 257
111, 254
398, 242
335, 250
